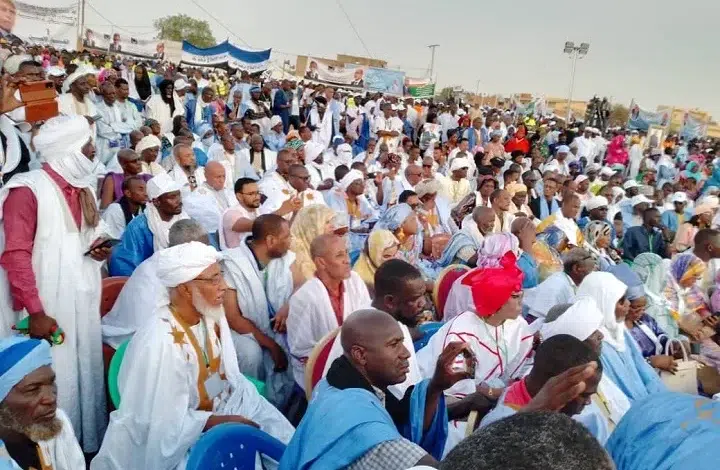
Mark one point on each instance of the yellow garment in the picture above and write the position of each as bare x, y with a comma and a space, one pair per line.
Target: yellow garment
548, 221
371, 257
221, 88
310, 222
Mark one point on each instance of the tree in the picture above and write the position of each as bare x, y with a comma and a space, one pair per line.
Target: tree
185, 28
619, 115
446, 94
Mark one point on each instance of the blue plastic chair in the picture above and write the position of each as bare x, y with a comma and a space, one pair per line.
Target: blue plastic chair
233, 446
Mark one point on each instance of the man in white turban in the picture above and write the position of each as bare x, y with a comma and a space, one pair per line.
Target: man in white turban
349, 198
149, 148
148, 232
52, 261
75, 99
180, 374
36, 433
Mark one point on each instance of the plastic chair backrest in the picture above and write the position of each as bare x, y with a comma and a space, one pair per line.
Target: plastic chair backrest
113, 372
315, 365
111, 287
232, 446
443, 284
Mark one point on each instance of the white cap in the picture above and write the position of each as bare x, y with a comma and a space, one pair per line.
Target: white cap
275, 120
161, 184
180, 84
630, 184
679, 197
639, 199
607, 171
458, 163
595, 202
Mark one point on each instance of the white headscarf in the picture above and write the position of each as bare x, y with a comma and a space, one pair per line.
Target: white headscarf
161, 184
581, 320
347, 180
606, 290
80, 72
147, 142
59, 142
183, 263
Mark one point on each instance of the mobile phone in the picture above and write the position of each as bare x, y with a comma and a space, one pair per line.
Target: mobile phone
109, 243
39, 100
371, 176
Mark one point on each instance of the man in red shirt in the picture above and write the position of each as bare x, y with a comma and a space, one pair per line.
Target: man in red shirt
51, 257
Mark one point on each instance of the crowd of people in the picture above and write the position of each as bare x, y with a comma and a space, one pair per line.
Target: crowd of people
377, 282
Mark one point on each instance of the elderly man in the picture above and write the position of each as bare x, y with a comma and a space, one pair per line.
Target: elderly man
299, 179
261, 275
276, 187
215, 186
36, 433
148, 233
260, 158
349, 198
143, 288
75, 99
185, 170
376, 428
323, 302
457, 186
130, 205
560, 287
113, 128
52, 256
192, 382
149, 149
464, 245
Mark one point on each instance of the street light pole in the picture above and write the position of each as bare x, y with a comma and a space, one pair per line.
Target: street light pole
575, 52
432, 59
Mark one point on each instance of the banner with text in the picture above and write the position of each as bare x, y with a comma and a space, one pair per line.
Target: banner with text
641, 119
419, 88
346, 76
385, 81
52, 23
226, 55
693, 127
123, 44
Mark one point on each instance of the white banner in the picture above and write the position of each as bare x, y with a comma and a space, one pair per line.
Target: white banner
226, 54
123, 44
52, 22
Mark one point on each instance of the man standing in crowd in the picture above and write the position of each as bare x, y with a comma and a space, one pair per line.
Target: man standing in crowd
53, 245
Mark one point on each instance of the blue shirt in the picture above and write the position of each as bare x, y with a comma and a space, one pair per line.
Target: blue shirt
135, 247
638, 240
275, 141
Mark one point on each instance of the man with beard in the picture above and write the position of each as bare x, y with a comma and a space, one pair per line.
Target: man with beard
52, 258
180, 375
261, 276
324, 302
164, 106
36, 433
148, 232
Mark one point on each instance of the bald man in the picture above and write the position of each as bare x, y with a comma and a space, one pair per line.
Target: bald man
214, 185
323, 302
130, 164
355, 422
413, 175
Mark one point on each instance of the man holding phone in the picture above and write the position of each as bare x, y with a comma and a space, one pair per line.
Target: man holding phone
50, 221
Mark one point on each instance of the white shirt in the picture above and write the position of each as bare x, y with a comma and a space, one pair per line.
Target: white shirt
586, 147
115, 220
390, 124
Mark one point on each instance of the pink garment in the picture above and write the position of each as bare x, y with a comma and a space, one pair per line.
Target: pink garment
232, 215
616, 152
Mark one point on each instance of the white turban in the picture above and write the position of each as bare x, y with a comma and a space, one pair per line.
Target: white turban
12, 63
459, 162
347, 180
183, 263
429, 186
161, 184
595, 202
147, 142
61, 135
580, 178
275, 120
581, 320
312, 150
80, 72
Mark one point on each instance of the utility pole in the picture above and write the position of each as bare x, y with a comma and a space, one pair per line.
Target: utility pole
81, 23
432, 59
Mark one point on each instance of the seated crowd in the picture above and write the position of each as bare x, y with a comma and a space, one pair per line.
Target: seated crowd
393, 284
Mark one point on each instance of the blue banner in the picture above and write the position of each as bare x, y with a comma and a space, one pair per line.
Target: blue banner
384, 81
693, 127
641, 119
226, 54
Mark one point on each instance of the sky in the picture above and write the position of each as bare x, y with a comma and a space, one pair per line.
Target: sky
657, 52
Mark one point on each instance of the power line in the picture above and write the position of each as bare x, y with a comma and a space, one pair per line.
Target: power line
220, 22
134, 33
347, 17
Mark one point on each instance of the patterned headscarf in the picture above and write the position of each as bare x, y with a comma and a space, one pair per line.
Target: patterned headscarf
494, 247
553, 236
310, 222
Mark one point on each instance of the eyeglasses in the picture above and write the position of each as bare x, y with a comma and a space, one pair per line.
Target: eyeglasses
254, 193
216, 280
427, 166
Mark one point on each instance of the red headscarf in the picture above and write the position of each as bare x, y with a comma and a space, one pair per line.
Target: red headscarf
492, 287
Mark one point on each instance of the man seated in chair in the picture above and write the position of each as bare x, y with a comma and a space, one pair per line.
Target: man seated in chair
143, 288
355, 422
36, 433
180, 375
323, 302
